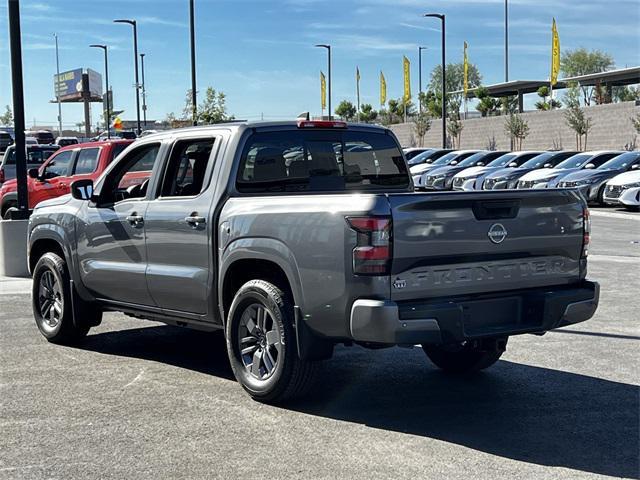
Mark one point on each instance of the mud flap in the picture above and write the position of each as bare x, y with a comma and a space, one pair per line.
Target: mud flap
83, 311
310, 346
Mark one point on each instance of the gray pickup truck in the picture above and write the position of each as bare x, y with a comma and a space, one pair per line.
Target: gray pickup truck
296, 236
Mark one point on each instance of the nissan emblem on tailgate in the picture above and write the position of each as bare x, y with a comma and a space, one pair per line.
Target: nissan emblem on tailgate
497, 233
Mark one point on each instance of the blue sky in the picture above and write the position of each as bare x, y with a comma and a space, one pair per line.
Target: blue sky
260, 53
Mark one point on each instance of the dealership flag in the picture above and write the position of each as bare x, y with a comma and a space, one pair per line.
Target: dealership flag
323, 91
117, 123
406, 67
555, 53
466, 71
383, 89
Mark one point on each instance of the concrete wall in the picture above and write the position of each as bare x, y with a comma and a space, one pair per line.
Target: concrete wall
612, 129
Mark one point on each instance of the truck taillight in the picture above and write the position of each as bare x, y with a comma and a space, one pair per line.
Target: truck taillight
586, 229
372, 253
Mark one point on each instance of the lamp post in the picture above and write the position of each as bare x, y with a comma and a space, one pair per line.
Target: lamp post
144, 92
328, 47
107, 113
192, 38
135, 62
506, 41
444, 77
57, 80
420, 49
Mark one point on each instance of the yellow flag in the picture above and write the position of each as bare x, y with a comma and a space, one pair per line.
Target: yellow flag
323, 91
383, 89
406, 64
555, 53
466, 71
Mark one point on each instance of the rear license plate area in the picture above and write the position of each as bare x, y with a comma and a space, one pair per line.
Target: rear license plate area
491, 316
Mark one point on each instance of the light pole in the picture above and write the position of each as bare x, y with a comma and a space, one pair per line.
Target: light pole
144, 92
107, 113
506, 41
328, 47
192, 37
135, 62
420, 49
57, 93
444, 77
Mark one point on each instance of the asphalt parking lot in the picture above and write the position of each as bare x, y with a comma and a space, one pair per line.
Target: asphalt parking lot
142, 400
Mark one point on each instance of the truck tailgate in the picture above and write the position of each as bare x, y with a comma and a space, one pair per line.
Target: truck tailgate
463, 243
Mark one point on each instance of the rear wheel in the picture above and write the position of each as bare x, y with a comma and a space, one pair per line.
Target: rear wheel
51, 298
466, 357
261, 344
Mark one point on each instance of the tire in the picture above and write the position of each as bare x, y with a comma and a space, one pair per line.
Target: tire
51, 300
261, 344
465, 358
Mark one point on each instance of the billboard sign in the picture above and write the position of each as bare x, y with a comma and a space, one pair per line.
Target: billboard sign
68, 84
95, 83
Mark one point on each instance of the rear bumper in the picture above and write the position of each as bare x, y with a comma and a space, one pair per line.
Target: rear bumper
459, 319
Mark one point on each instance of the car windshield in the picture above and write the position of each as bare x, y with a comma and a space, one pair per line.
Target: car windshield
423, 157
34, 157
538, 160
445, 159
574, 162
621, 161
503, 160
472, 160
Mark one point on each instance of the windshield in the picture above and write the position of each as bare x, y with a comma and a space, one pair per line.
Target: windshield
34, 157
574, 162
320, 160
445, 159
539, 160
503, 160
621, 161
424, 157
472, 160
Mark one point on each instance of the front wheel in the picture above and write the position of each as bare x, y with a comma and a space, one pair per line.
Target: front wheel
51, 298
467, 357
261, 344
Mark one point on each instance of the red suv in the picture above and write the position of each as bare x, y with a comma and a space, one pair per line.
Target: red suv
54, 177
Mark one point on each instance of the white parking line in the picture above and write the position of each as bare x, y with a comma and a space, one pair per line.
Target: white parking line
613, 258
623, 216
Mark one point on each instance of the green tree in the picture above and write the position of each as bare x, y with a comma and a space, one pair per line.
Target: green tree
367, 113
546, 103
431, 103
455, 78
626, 94
346, 110
509, 105
584, 62
454, 129
7, 117
213, 108
487, 105
635, 121
579, 123
518, 129
421, 125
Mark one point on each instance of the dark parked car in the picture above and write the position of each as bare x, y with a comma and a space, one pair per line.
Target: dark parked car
507, 178
36, 156
5, 140
442, 178
591, 183
44, 137
428, 156
411, 152
289, 260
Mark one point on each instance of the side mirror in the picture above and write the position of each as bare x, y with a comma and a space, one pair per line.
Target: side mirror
589, 166
82, 189
479, 164
455, 162
33, 173
513, 165
635, 166
547, 165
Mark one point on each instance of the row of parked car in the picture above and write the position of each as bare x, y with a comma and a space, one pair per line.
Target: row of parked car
603, 177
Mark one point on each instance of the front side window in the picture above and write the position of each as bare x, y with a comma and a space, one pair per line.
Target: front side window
87, 161
321, 160
185, 174
130, 178
59, 165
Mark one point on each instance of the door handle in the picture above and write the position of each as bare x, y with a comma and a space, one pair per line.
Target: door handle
135, 220
195, 221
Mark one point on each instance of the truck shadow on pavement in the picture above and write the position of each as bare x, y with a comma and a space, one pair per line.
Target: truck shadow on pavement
525, 413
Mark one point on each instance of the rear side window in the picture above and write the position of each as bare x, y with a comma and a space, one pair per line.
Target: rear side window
320, 160
185, 175
87, 161
34, 157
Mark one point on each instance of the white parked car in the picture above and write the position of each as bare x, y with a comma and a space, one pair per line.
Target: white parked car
30, 141
623, 189
472, 178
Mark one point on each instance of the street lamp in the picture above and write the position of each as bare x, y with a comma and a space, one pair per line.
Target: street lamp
107, 115
144, 92
328, 47
506, 41
444, 76
420, 49
135, 62
192, 38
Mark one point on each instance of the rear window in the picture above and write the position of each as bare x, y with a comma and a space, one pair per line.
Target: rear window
320, 160
87, 161
34, 157
5, 135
